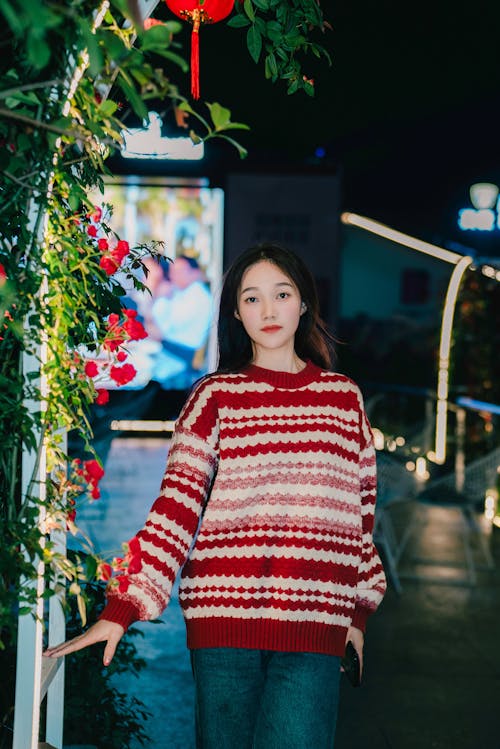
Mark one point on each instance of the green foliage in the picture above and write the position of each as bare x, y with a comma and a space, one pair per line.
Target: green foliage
117, 718
90, 690
476, 339
283, 34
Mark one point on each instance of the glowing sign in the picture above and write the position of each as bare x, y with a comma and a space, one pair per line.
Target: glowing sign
148, 143
485, 216
471, 218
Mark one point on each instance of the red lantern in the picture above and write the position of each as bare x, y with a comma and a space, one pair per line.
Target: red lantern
198, 12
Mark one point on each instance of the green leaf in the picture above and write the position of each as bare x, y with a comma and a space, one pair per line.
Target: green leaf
91, 43
248, 8
38, 51
24, 97
91, 567
157, 37
107, 108
242, 151
185, 106
194, 137
260, 24
261, 4
115, 48
314, 15
239, 21
274, 31
309, 88
271, 67
221, 116
133, 98
254, 43
74, 200
168, 55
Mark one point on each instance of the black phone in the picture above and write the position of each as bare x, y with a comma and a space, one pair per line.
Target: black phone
351, 665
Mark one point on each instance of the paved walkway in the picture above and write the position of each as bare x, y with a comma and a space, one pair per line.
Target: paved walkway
432, 673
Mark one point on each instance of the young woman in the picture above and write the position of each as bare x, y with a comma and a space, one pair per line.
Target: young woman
267, 505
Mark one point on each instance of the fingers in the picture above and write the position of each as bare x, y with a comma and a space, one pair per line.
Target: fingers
109, 651
101, 631
70, 646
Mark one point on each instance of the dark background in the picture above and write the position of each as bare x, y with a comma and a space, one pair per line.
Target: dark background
408, 111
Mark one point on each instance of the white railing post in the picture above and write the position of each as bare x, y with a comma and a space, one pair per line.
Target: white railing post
56, 634
30, 626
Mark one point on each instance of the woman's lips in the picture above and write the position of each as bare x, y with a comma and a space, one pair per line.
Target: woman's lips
271, 328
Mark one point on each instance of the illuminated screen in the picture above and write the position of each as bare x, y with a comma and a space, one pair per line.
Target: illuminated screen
179, 313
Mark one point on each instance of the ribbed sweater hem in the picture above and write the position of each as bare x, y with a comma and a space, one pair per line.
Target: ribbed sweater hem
262, 634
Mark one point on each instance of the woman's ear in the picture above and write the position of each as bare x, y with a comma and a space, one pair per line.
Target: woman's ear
237, 315
303, 307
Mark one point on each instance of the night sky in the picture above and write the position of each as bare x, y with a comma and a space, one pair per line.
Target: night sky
409, 111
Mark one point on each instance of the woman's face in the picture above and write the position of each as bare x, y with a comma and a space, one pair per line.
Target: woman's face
269, 308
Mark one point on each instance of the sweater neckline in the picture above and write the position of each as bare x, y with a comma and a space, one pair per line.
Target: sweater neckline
285, 380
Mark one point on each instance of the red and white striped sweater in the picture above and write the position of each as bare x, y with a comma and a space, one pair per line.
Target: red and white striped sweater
277, 471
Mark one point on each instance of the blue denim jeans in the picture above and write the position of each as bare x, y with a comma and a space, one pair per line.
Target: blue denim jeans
262, 699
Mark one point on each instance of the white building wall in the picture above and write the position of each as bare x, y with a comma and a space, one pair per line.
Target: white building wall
371, 272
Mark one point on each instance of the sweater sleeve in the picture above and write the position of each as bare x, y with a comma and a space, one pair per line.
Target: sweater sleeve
159, 550
371, 579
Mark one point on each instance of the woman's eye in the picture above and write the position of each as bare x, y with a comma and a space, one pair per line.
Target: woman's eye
251, 299
283, 295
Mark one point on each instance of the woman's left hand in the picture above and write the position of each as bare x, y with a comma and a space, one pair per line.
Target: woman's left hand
357, 638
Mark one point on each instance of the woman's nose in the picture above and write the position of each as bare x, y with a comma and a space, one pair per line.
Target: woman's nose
268, 309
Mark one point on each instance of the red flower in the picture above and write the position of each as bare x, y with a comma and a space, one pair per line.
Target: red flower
121, 251
108, 264
123, 375
97, 214
93, 470
102, 397
104, 571
134, 329
92, 231
116, 337
95, 493
3, 275
91, 369
133, 556
103, 244
121, 356
70, 516
123, 246
129, 312
111, 344
123, 583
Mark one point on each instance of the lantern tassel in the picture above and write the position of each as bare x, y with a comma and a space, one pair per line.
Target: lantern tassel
195, 56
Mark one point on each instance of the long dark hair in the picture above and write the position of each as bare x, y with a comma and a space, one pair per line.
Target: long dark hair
312, 339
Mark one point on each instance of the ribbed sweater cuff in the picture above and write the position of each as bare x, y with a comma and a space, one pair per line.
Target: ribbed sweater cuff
360, 617
120, 612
